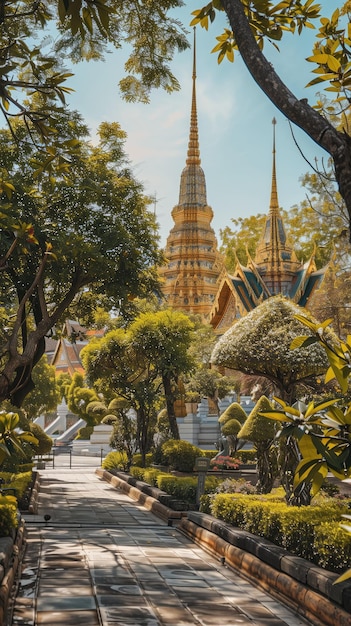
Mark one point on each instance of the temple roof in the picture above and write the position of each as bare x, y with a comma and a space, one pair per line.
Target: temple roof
274, 270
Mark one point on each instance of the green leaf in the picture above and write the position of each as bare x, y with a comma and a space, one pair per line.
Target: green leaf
345, 576
321, 59
302, 342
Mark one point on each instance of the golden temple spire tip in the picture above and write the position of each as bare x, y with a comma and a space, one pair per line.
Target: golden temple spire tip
193, 146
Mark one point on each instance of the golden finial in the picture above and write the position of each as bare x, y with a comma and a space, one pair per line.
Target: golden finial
193, 146
274, 206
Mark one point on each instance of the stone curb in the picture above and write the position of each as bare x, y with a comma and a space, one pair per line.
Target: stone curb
33, 504
306, 588
10, 557
303, 586
149, 502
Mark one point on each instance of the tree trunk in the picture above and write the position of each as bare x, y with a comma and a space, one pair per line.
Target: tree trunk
170, 406
337, 144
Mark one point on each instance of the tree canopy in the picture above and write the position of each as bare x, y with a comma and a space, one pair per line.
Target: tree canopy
85, 235
38, 38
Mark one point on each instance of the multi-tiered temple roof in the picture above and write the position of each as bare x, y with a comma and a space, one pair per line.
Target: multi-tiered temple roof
194, 268
274, 270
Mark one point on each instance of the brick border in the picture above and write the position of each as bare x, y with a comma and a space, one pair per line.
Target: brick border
10, 559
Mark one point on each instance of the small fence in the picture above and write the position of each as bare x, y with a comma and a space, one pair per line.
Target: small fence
66, 458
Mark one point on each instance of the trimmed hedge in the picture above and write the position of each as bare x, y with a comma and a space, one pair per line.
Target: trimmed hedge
19, 482
8, 516
300, 530
180, 487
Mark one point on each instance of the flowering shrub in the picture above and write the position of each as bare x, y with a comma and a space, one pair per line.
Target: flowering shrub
225, 462
230, 485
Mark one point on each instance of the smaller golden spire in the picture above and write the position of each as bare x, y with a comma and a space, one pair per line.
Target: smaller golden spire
193, 146
274, 204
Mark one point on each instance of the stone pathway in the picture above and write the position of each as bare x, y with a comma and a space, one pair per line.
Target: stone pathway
103, 560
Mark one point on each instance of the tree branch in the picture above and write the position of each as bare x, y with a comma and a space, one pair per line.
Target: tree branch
337, 144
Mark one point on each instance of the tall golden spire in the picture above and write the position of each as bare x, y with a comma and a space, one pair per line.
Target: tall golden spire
193, 146
194, 266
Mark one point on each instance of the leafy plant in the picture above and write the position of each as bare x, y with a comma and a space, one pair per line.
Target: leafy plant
11, 441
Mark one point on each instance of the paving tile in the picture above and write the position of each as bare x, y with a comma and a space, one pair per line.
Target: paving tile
54, 591
64, 618
134, 615
120, 600
73, 603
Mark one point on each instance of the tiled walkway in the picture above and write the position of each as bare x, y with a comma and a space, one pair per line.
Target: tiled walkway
103, 560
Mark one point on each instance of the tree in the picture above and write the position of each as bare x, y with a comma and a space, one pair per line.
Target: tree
45, 397
163, 339
261, 431
253, 23
243, 238
79, 397
211, 384
115, 366
93, 234
259, 344
33, 63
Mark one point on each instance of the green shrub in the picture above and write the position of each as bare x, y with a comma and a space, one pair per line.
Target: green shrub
137, 472
180, 455
148, 459
293, 528
8, 516
85, 432
184, 487
209, 454
116, 460
229, 508
181, 488
19, 481
151, 476
332, 547
299, 523
247, 456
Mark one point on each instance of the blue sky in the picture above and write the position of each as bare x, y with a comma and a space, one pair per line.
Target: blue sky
235, 126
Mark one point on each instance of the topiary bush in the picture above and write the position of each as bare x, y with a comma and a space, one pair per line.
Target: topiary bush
45, 442
180, 455
233, 411
85, 432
